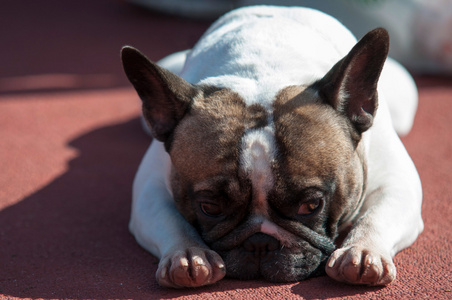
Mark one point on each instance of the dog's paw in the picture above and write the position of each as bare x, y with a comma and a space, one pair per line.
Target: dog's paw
191, 267
358, 265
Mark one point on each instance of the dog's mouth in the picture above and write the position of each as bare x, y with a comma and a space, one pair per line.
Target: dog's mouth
263, 257
253, 255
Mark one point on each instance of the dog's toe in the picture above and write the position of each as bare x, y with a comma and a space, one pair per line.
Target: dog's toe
356, 265
190, 268
372, 270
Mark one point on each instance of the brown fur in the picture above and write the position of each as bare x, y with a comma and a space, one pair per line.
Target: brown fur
316, 150
212, 131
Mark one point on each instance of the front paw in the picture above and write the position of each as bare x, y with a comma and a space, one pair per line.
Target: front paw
358, 265
191, 267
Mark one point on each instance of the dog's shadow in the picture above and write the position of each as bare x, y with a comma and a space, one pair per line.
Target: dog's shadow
70, 239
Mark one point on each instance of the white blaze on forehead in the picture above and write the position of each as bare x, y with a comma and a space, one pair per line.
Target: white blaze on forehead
258, 154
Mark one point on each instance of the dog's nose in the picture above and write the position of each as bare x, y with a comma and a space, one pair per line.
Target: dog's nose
261, 244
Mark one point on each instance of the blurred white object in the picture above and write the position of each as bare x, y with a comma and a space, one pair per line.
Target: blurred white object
420, 30
433, 34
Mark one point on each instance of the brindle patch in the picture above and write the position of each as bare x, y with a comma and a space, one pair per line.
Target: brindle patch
212, 131
316, 151
257, 116
207, 143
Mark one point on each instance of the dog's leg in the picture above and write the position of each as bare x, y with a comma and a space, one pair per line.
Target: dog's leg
185, 261
390, 219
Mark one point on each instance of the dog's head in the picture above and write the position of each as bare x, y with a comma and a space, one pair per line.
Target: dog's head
266, 188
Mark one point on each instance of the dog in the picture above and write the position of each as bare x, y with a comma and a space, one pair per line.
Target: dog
274, 137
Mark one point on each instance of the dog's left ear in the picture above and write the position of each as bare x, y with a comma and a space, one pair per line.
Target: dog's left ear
351, 85
166, 97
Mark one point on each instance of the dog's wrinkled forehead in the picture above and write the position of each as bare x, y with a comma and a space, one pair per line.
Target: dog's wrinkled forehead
223, 134
208, 139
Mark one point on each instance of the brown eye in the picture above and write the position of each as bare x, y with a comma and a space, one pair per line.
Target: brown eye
309, 207
211, 209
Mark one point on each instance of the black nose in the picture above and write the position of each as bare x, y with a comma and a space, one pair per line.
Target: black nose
260, 244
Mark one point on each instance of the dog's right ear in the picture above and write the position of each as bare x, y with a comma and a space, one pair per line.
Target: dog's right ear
351, 85
165, 96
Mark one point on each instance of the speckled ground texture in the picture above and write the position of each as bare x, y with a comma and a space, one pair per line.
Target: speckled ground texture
71, 141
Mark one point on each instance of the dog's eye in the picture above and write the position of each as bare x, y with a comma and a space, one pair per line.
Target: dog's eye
211, 209
309, 207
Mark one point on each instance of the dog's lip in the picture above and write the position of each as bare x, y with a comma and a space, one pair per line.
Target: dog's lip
315, 239
253, 225
288, 239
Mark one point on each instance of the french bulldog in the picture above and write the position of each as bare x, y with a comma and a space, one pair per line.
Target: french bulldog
274, 137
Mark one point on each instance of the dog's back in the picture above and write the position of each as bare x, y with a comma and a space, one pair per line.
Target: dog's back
252, 43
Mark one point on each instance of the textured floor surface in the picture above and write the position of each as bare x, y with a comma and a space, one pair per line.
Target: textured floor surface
70, 143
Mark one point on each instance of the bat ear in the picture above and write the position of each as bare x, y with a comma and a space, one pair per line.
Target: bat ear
165, 95
351, 85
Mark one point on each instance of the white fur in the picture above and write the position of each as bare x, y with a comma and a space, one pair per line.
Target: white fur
259, 151
310, 44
